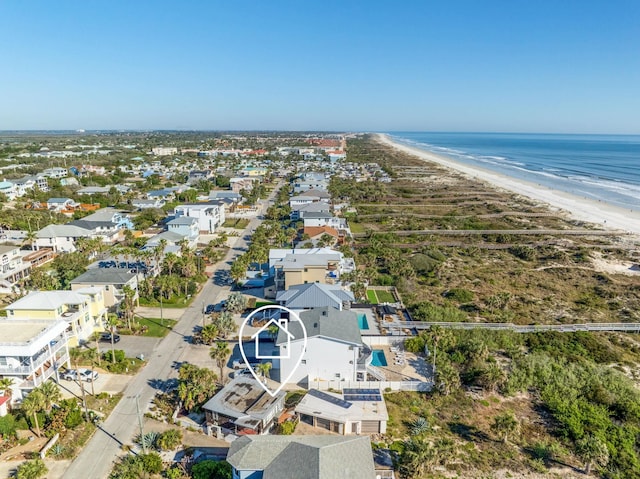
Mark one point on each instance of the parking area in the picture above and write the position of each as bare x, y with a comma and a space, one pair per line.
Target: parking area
106, 382
133, 346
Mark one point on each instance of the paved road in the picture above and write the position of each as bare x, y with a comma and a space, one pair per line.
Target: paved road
97, 458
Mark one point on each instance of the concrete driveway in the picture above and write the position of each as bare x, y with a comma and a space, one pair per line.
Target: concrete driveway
133, 346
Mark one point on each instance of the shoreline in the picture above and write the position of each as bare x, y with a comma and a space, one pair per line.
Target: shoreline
603, 215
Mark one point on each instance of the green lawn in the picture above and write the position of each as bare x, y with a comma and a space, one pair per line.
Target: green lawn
385, 297
157, 328
356, 228
371, 296
239, 223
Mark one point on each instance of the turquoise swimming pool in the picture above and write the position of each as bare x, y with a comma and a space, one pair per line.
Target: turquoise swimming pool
362, 321
379, 359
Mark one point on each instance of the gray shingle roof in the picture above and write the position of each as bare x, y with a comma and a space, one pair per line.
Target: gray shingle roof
104, 276
328, 323
69, 230
308, 457
314, 295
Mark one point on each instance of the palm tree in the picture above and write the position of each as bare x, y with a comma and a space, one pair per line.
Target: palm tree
5, 386
219, 354
75, 354
592, 450
94, 356
170, 261
504, 425
112, 322
32, 405
225, 323
418, 456
51, 394
209, 334
30, 239
263, 369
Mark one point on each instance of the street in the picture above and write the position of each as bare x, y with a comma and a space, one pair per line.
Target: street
97, 458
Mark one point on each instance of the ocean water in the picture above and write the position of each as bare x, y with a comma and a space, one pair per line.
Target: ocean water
599, 167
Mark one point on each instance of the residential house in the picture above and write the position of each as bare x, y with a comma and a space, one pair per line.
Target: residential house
242, 183
164, 150
56, 172
83, 310
300, 211
308, 265
106, 223
210, 216
31, 351
12, 266
27, 183
253, 171
110, 280
300, 200
315, 295
186, 227
60, 204
325, 219
143, 204
244, 407
9, 189
297, 457
103, 190
334, 349
198, 175
224, 195
317, 234
354, 411
61, 238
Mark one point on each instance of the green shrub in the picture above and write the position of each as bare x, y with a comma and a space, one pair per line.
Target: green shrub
169, 440
460, 295
31, 469
8, 426
118, 354
211, 470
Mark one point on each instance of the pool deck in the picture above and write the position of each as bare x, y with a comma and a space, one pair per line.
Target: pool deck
414, 367
373, 330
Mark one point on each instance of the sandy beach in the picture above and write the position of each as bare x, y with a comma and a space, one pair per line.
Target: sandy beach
583, 209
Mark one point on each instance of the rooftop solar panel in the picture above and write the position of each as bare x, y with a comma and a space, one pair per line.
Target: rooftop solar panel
331, 399
351, 394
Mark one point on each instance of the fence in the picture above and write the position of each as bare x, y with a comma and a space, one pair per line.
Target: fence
422, 386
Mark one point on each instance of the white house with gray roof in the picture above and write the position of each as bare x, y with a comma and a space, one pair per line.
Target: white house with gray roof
315, 295
301, 457
61, 238
334, 349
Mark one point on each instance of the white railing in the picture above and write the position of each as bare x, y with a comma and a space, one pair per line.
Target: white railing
376, 373
417, 385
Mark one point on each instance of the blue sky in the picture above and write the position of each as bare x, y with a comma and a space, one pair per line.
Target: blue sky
437, 65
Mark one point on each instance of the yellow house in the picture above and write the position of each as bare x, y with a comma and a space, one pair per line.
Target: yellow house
83, 310
254, 171
302, 266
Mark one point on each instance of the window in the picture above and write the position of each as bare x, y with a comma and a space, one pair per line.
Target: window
304, 361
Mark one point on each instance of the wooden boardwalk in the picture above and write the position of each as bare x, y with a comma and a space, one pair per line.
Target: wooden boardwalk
532, 328
539, 232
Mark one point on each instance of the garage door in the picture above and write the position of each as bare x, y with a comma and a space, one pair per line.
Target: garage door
370, 427
323, 423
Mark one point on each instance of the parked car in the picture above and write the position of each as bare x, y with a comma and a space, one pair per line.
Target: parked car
221, 306
107, 337
88, 375
210, 308
70, 375
241, 372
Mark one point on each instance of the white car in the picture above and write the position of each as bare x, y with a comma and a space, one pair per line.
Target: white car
88, 375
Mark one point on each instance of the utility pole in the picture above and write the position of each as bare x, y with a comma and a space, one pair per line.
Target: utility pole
202, 314
142, 441
161, 311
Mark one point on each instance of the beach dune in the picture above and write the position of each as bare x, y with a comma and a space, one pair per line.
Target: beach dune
602, 214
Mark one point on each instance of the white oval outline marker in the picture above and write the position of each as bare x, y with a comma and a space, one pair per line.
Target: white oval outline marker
292, 315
